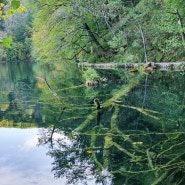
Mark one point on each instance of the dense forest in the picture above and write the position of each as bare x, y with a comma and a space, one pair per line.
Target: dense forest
95, 31
102, 31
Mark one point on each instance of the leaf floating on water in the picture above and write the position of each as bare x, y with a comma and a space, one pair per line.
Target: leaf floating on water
138, 143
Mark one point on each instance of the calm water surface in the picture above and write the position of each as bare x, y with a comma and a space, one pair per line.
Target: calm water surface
51, 132
22, 161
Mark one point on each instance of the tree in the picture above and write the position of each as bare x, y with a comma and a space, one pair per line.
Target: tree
7, 9
19, 28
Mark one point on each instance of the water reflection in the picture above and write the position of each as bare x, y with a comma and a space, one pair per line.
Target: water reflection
136, 138
22, 161
72, 161
18, 96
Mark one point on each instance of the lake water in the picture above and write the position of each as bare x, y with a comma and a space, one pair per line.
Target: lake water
51, 132
22, 161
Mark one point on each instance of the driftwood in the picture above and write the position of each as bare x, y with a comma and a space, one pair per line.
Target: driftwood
149, 66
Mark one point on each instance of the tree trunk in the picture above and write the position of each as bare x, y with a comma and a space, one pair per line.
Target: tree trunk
181, 25
92, 36
144, 42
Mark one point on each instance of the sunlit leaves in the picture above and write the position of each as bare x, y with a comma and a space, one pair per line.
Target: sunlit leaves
12, 7
15, 4
21, 9
6, 42
1, 8
10, 12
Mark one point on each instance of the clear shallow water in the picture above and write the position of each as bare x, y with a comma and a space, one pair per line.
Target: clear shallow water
137, 138
22, 160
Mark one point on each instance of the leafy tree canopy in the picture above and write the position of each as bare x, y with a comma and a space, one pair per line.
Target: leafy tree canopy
7, 9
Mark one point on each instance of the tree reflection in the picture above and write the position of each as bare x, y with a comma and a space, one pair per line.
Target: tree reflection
18, 98
71, 159
131, 144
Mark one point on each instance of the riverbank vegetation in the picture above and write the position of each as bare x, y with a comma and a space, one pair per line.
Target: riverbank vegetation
108, 31
16, 31
117, 31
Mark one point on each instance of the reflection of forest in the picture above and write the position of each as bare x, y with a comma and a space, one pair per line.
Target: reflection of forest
139, 136
19, 107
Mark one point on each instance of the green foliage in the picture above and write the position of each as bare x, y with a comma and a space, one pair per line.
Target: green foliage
80, 36
106, 31
19, 51
118, 41
6, 11
6, 42
20, 31
91, 74
15, 4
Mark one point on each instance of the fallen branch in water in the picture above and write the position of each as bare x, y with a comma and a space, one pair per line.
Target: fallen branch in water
49, 87
162, 66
